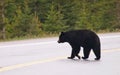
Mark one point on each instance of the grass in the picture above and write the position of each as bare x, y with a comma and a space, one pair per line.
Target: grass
46, 35
29, 37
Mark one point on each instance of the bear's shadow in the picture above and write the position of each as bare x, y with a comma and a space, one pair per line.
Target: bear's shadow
79, 61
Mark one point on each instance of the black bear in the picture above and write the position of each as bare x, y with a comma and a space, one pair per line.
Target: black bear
82, 38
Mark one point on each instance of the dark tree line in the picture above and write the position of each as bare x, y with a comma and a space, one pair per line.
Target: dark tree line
20, 18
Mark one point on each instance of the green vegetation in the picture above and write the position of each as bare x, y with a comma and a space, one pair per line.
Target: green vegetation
38, 18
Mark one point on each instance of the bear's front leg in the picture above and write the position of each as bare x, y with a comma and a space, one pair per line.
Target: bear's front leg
78, 56
72, 54
70, 57
74, 57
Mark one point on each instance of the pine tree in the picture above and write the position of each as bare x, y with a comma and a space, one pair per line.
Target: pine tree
54, 21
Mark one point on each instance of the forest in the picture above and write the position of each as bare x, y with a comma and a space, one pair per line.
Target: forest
28, 18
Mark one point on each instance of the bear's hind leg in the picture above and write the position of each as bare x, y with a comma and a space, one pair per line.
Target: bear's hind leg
97, 53
86, 53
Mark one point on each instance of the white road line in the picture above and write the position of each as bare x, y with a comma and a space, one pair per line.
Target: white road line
28, 44
104, 37
49, 42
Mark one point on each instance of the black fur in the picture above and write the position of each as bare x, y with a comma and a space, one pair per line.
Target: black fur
82, 38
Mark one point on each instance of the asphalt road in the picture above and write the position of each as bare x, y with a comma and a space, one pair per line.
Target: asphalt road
47, 57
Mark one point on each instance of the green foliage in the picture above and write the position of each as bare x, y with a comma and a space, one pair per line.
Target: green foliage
96, 15
22, 23
38, 17
54, 20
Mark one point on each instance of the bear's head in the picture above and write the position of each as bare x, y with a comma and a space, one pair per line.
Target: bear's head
62, 38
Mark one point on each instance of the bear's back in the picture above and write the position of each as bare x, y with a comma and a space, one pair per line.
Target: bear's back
81, 33
82, 36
